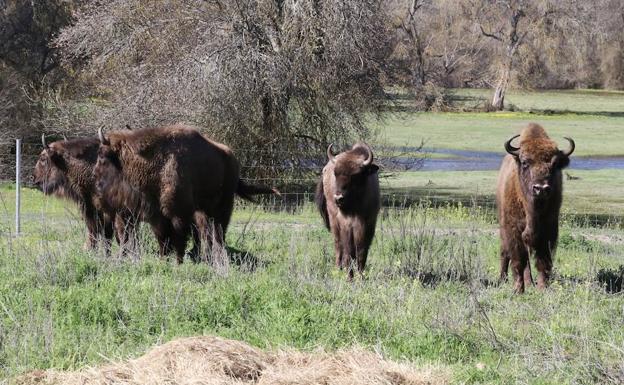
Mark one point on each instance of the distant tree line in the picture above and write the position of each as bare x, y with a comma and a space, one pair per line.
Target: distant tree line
280, 79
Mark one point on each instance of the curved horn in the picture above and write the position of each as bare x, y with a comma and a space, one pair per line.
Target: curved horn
64, 138
45, 145
570, 149
330, 155
369, 158
103, 139
511, 149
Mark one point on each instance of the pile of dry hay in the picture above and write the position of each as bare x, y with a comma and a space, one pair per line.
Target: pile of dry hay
213, 360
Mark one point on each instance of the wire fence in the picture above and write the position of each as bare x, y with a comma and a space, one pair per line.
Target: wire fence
296, 185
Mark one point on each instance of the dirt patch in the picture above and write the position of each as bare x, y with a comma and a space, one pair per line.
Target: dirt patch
217, 361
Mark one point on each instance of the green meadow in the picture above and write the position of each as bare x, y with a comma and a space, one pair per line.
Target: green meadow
430, 295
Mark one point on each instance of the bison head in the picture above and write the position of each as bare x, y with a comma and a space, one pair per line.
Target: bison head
108, 168
50, 174
351, 170
539, 164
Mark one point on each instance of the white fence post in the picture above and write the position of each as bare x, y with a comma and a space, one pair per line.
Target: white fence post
18, 166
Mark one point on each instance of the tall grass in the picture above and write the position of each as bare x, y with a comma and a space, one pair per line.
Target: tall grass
429, 295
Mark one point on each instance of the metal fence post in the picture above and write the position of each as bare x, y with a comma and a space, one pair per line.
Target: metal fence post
18, 166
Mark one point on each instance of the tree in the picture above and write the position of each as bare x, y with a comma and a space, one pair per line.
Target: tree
500, 20
276, 79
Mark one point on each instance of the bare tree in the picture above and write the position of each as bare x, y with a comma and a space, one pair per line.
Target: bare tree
501, 21
276, 79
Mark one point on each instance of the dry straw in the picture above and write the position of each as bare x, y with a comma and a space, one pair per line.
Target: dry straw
217, 361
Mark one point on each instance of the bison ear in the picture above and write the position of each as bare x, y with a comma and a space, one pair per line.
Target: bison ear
372, 169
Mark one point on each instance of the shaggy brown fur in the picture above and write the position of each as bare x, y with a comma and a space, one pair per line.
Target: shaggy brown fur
171, 177
64, 169
528, 197
348, 199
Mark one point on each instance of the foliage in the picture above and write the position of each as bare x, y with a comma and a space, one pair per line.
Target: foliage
277, 81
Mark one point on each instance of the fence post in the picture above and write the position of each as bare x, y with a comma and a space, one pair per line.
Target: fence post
18, 166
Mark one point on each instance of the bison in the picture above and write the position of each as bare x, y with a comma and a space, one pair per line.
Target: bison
65, 169
528, 198
173, 178
348, 199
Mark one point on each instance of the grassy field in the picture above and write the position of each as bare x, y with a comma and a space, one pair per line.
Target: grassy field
430, 296
595, 121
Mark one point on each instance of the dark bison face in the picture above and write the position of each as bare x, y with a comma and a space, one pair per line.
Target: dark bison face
107, 170
351, 171
50, 174
540, 164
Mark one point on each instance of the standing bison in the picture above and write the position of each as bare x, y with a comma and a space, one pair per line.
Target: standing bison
173, 178
65, 169
528, 197
348, 198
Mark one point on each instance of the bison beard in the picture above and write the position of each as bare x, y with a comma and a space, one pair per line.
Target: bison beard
348, 199
175, 179
64, 169
528, 197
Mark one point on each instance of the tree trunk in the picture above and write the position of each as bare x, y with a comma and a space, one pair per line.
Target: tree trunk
498, 101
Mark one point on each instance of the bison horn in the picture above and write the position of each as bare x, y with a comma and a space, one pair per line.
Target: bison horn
570, 149
43, 141
369, 157
64, 138
511, 149
103, 139
330, 155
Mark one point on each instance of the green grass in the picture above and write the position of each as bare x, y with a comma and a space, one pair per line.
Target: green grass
595, 192
554, 101
594, 119
427, 298
594, 135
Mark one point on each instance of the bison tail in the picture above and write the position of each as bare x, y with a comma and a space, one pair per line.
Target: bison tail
321, 203
247, 191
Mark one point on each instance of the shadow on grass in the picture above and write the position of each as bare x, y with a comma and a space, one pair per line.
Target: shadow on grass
244, 259
432, 280
611, 279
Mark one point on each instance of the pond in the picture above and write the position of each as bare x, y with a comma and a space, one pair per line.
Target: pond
466, 160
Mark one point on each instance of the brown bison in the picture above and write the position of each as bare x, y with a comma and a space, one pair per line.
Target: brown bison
528, 197
65, 169
173, 178
348, 198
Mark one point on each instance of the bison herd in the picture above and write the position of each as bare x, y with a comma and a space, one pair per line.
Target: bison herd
183, 185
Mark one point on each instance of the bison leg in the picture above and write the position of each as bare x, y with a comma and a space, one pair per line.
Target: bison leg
363, 238
348, 251
202, 240
517, 267
528, 277
504, 266
163, 231
519, 257
180, 235
108, 233
543, 262
337, 245
125, 229
361, 255
90, 217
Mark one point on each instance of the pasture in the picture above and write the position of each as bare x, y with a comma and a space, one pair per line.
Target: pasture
430, 296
